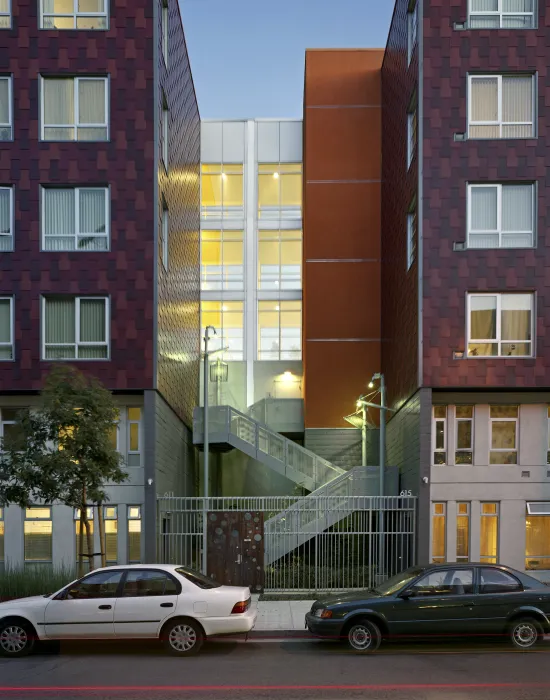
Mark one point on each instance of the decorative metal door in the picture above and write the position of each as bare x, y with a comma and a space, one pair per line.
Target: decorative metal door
236, 548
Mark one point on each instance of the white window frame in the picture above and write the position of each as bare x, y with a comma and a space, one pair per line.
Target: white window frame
499, 230
77, 235
12, 218
490, 515
498, 341
445, 526
75, 15
538, 507
504, 419
165, 28
4, 422
7, 14
78, 343
165, 224
77, 125
129, 518
412, 134
499, 122
12, 327
9, 125
412, 237
442, 450
464, 420
502, 15
49, 519
139, 423
222, 280
464, 559
412, 30
275, 235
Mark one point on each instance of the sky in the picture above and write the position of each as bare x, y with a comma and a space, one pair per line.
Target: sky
247, 56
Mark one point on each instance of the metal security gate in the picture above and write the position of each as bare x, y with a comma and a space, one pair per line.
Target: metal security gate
307, 543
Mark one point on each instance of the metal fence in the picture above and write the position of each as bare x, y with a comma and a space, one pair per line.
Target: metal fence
310, 543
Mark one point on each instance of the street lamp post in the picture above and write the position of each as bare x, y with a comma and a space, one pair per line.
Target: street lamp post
206, 449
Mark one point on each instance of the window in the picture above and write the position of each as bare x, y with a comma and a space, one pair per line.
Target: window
75, 328
537, 544
10, 428
75, 109
164, 136
279, 191
504, 431
222, 190
38, 534
280, 330
279, 259
412, 134
464, 434
227, 317
440, 434
6, 219
6, 328
134, 437
6, 104
489, 533
500, 325
165, 25
74, 14
412, 28
501, 216
548, 451
2, 534
104, 584
412, 235
75, 218
165, 236
139, 584
82, 542
110, 516
502, 14
5, 14
439, 532
134, 534
198, 579
446, 582
222, 260
501, 107
462, 532
497, 581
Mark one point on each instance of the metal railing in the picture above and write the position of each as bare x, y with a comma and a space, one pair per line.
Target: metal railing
327, 556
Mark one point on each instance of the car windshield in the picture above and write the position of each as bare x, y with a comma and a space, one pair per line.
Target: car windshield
198, 579
395, 583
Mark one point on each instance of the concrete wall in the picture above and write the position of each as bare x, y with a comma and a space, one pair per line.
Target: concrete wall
235, 474
175, 454
341, 446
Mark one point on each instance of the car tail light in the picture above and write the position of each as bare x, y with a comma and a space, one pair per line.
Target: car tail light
241, 607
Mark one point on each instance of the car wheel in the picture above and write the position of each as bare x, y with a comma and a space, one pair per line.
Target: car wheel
525, 633
364, 636
183, 637
16, 639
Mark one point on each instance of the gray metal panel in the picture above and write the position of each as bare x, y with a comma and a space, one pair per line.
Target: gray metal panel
290, 148
268, 142
211, 142
233, 142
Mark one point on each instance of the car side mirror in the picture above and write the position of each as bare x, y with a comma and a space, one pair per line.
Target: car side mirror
407, 593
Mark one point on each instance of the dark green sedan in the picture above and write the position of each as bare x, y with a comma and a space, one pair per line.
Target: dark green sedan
438, 600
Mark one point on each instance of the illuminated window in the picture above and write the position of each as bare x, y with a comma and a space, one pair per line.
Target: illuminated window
227, 317
73, 14
134, 437
279, 259
464, 434
280, 190
439, 434
504, 434
110, 515
82, 542
501, 106
38, 534
134, 534
537, 541
222, 260
462, 531
438, 532
502, 14
5, 14
222, 190
500, 325
488, 549
280, 330
115, 433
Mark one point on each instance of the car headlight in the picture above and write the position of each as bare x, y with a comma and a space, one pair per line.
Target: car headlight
323, 613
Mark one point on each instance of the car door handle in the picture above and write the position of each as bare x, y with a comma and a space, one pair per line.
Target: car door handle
105, 607
167, 605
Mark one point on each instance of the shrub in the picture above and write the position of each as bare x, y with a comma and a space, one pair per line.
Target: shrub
33, 580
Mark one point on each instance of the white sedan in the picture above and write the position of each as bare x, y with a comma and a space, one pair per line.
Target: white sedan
172, 603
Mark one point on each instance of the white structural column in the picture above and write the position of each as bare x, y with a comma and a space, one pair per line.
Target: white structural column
251, 258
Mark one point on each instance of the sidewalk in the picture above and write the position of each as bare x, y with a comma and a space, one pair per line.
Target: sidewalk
281, 615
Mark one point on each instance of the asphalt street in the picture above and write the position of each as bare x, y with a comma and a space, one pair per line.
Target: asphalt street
280, 669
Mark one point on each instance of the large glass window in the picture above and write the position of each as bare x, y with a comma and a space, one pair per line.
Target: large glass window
464, 434
110, 514
279, 191
6, 105
227, 317
279, 259
439, 532
501, 107
38, 534
222, 260
222, 189
537, 543
134, 437
5, 14
502, 14
501, 216
280, 330
82, 542
6, 218
412, 28
104, 584
75, 109
141, 584
439, 434
74, 14
75, 218
445, 582
500, 325
488, 549
134, 534
462, 532
75, 328
504, 435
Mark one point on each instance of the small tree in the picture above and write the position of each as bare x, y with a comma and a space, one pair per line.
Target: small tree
63, 450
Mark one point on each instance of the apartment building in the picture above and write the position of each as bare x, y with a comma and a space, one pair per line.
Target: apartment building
99, 212
464, 262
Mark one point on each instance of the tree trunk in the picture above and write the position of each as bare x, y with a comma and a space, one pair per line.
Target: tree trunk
89, 541
102, 541
81, 541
